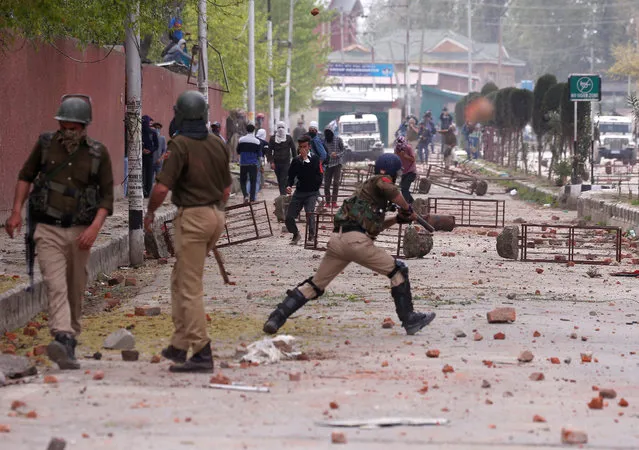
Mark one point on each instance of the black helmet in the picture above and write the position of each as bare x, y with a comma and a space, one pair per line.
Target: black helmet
191, 105
75, 108
389, 163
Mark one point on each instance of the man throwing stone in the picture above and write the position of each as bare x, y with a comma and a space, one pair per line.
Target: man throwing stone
360, 219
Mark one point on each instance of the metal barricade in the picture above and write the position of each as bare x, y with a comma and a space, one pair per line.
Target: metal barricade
474, 212
563, 243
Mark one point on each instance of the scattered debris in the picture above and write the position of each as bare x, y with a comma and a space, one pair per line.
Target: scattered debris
593, 272
239, 387
477, 337
499, 336
99, 375
525, 356
130, 282
485, 384
130, 355
536, 334
14, 367
121, 339
502, 315
388, 323
623, 403
460, 334
147, 311
382, 422
448, 369
537, 376
508, 243
297, 376
50, 379
538, 418
338, 438
155, 359
266, 351
333, 405
596, 403
218, 378
574, 437
417, 244
586, 357
607, 393
5, 428
568, 360
554, 360
432, 353
511, 296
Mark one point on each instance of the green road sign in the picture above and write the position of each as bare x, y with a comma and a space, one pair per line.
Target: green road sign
585, 88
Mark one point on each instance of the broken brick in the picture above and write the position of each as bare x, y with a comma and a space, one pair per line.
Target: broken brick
39, 350
297, 376
501, 315
147, 311
537, 376
538, 418
17, 404
499, 336
31, 415
130, 282
338, 437
388, 323
574, 437
596, 403
448, 369
555, 360
623, 403
155, 359
99, 375
432, 353
219, 378
485, 384
492, 234
586, 357
50, 379
333, 405
539, 271
477, 337
607, 393
5, 428
384, 363
30, 331
525, 356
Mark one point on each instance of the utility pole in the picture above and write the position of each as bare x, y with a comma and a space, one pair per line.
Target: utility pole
203, 66
501, 44
251, 62
341, 37
406, 62
421, 68
470, 51
289, 62
133, 119
269, 38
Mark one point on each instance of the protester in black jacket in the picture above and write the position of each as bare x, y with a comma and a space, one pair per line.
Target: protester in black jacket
281, 149
307, 170
150, 145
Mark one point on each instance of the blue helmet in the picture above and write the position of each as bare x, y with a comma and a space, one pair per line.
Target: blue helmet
389, 163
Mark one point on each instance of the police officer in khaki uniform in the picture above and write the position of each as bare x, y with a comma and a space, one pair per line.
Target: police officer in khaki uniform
360, 219
71, 198
197, 172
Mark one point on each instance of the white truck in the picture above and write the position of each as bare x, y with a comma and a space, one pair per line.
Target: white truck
616, 139
360, 133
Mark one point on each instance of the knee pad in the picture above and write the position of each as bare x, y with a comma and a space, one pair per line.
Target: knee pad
400, 268
319, 292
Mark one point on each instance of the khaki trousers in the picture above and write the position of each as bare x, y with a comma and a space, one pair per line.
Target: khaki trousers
196, 231
345, 248
64, 270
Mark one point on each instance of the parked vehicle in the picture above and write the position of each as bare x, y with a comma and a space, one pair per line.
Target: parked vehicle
360, 133
616, 139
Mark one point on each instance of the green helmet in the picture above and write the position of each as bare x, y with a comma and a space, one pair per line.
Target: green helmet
191, 105
75, 108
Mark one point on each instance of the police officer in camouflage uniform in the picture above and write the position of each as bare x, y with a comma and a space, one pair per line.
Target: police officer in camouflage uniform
71, 198
360, 219
197, 172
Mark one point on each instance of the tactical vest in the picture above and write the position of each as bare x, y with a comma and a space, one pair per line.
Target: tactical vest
357, 211
88, 199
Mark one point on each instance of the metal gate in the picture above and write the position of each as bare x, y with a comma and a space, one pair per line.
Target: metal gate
582, 245
453, 180
470, 212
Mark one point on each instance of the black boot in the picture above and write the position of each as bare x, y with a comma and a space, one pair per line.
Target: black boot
201, 361
174, 354
294, 300
62, 351
411, 321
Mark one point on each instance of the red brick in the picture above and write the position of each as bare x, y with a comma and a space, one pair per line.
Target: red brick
17, 404
219, 378
623, 403
538, 418
432, 353
477, 337
501, 315
333, 405
30, 331
500, 336
586, 357
155, 359
130, 355
388, 323
31, 415
574, 437
536, 334
99, 375
492, 234
50, 379
147, 311
297, 376
5, 428
537, 376
384, 363
596, 403
539, 271
525, 356
337, 437
448, 369
555, 360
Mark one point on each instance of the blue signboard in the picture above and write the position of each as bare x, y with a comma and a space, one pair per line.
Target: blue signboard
360, 70
527, 84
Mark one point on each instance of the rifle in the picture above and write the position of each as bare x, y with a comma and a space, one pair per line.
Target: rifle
419, 219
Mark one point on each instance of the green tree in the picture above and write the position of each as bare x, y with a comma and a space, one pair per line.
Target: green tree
521, 107
539, 117
488, 88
